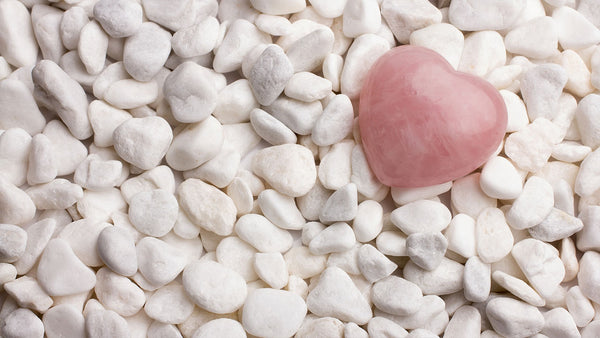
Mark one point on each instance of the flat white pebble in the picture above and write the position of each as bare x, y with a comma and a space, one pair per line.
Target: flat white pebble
471, 15
270, 74
575, 31
196, 144
64, 320
461, 235
214, 287
335, 123
579, 306
308, 52
360, 57
493, 235
92, 47
421, 216
477, 280
557, 225
541, 265
518, 288
105, 323
56, 194
116, 248
541, 32
28, 293
533, 204
467, 197
341, 205
240, 38
17, 45
404, 18
500, 179
271, 268
118, 293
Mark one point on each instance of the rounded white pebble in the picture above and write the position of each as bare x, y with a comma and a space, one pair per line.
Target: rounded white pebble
144, 141
22, 323
146, 51
500, 179
273, 313
116, 248
263, 235
154, 212
196, 144
169, 304
397, 296
510, 317
533, 204
421, 216
222, 327
190, 92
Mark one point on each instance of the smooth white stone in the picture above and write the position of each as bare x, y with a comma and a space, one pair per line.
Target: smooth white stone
190, 92
447, 278
579, 306
118, 293
360, 57
28, 293
335, 123
518, 288
158, 261
461, 235
56, 194
280, 209
361, 17
472, 15
533, 205
373, 264
541, 265
18, 108
22, 323
443, 38
146, 51
421, 216
500, 179
271, 129
64, 321
397, 296
18, 44
368, 222
493, 235
541, 32
513, 318
308, 52
467, 196
303, 264
341, 205
337, 237
575, 31
482, 52
240, 38
466, 322
38, 235
335, 168
223, 327
116, 248
169, 304
426, 249
263, 235
557, 225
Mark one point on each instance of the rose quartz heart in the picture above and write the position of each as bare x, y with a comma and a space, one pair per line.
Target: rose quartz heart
423, 123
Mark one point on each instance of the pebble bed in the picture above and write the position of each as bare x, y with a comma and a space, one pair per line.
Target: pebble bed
193, 168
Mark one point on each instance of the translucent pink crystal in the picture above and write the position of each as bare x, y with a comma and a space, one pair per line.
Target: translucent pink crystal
423, 123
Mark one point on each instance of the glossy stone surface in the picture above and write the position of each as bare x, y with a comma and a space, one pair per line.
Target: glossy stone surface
423, 123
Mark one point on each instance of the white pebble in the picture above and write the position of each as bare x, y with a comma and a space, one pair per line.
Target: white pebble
119, 18
332, 70
559, 323
61, 273
467, 196
275, 7
443, 38
235, 102
104, 119
336, 295
56, 194
575, 31
307, 87
15, 205
13, 241
129, 94
335, 123
72, 21
447, 278
483, 51
588, 276
263, 235
337, 237
473, 15
397, 296
541, 265
196, 144
383, 327
214, 287
303, 264
570, 151
477, 280
92, 47
270, 74
541, 87
46, 27
38, 235
461, 235
118, 293
146, 51
425, 317
361, 17
493, 235
198, 39
28, 293
341, 206
237, 255
298, 116
16, 98
579, 76
105, 323
403, 196
500, 179
557, 225
373, 264
510, 317
426, 249
169, 304
533, 204
64, 320
116, 248
144, 141
587, 121
466, 322
240, 38
18, 44
22, 323
405, 17
540, 32
154, 212
273, 24
280, 209
289, 168
368, 222
531, 147
579, 306
271, 129
272, 269
158, 261
190, 92
518, 288
223, 327
335, 168
308, 52
363, 53
421, 216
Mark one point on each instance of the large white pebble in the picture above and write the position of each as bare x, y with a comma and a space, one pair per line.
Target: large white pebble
119, 18
207, 206
275, 7
271, 129
541, 87
289, 168
92, 47
105, 323
198, 39
468, 198
421, 216
272, 269
336, 295
195, 144
557, 225
302, 263
158, 261
475, 15
214, 287
466, 322
483, 51
145, 52
13, 241
61, 273
57, 91
56, 194
518, 288
500, 179
335, 123
240, 38
588, 277
531, 147
461, 235
588, 121
154, 212
129, 93
64, 320
575, 31
493, 235
363, 53
443, 38
404, 17
17, 42
533, 204
270, 74
116, 248
221, 327
190, 92
16, 207
235, 102
373, 264
118, 293
67, 151
513, 318
477, 280
22, 323
337, 237
280, 209
273, 313
560, 323
144, 141
308, 52
447, 278
579, 306
541, 265
368, 222
298, 116
82, 236
361, 17
397, 296
169, 304
18, 107
263, 235
536, 38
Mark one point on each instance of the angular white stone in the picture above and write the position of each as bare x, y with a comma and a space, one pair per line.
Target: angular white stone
510, 317
473, 15
28, 293
214, 287
404, 17
92, 47
272, 269
461, 235
56, 194
517, 113
38, 235
533, 205
432, 307
374, 265
104, 119
82, 236
500, 179
575, 31
22, 323
493, 235
336, 295
559, 323
557, 225
482, 52
105, 323
335, 123
467, 197
477, 280
13, 242
341, 205
426, 249
443, 38
146, 51
579, 306
421, 216
541, 32
308, 52
154, 212
241, 37
15, 205
541, 265
447, 278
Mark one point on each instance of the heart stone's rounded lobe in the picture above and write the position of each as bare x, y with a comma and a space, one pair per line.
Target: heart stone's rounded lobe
422, 123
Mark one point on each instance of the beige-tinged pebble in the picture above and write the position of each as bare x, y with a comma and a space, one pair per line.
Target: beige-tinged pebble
336, 295
568, 255
403, 196
307, 87
214, 287
392, 243
421, 216
579, 76
61, 273
493, 235
60, 93
289, 168
302, 263
570, 151
513, 318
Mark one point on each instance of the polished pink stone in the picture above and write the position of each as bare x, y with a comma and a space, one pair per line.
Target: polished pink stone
423, 123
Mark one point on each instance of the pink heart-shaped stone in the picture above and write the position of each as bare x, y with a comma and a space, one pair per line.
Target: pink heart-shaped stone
423, 123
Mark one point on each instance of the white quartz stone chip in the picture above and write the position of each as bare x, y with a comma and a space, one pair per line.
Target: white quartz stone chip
530, 147
335, 123
92, 47
222, 327
533, 205
28, 293
214, 287
587, 120
368, 222
557, 225
57, 91
559, 323
207, 206
447, 278
154, 212
536, 38
289, 168
144, 141
541, 87
426, 249
493, 235
397, 296
271, 129
513, 318
361, 17
271, 268
335, 295
191, 93
477, 280
465, 322
158, 261
270, 74
198, 39
61, 273
116, 248
405, 17
363, 53
13, 241
579, 306
541, 265
421, 216
196, 144
273, 313
500, 179
119, 18
105, 323
263, 235
118, 293
146, 51
239, 40
588, 275
56, 194
337, 237
518, 287
341, 205
307, 53
443, 38
15, 205
474, 15
575, 31
374, 265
